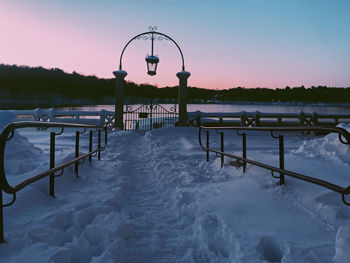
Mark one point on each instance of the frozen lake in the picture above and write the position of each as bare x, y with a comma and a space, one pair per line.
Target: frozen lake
278, 108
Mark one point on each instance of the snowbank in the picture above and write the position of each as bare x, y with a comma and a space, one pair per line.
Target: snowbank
342, 245
18, 147
327, 147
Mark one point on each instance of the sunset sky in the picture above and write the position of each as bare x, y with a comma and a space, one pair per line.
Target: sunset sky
226, 43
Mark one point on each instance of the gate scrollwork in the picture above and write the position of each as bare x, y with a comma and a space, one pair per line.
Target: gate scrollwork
149, 116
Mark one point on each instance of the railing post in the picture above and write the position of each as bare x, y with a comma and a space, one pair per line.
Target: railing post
279, 120
222, 148
52, 163
302, 118
105, 128
281, 152
1, 218
198, 120
99, 145
257, 118
90, 146
151, 115
76, 164
243, 119
244, 146
207, 145
315, 118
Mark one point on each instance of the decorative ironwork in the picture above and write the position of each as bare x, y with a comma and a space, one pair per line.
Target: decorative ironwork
152, 28
108, 120
149, 116
152, 34
261, 119
155, 36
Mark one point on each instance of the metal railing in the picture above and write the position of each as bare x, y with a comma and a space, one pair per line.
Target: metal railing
8, 133
243, 160
99, 118
261, 119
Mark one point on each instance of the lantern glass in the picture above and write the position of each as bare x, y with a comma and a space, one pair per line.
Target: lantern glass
152, 63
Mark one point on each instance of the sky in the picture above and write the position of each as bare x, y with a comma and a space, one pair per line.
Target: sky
226, 43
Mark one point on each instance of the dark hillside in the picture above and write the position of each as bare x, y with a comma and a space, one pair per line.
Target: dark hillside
53, 87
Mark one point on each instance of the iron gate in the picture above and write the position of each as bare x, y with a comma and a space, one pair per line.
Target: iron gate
149, 116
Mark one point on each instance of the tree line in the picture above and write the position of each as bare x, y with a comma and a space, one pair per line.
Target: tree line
22, 83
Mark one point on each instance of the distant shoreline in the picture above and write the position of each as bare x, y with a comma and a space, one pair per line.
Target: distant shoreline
61, 103
24, 87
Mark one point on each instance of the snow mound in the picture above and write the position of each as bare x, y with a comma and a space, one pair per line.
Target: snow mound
21, 156
328, 146
342, 245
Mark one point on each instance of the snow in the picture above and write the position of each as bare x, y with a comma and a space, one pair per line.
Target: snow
342, 245
153, 198
6, 118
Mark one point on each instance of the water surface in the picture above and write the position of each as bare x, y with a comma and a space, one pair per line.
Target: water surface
268, 108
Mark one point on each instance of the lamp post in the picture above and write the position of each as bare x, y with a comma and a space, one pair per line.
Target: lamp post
152, 63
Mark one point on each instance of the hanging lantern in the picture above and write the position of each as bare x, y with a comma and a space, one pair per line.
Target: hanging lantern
152, 63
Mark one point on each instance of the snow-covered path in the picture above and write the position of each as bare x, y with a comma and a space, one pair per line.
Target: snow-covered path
158, 203
154, 198
158, 222
148, 224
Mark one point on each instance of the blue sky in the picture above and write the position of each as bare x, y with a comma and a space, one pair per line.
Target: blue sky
265, 43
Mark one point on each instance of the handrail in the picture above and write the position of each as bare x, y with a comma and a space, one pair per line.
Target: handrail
37, 177
265, 119
268, 114
8, 133
100, 117
342, 133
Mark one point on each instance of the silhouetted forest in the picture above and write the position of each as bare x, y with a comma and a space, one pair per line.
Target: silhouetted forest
40, 87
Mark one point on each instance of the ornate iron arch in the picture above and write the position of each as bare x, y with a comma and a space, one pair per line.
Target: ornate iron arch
149, 35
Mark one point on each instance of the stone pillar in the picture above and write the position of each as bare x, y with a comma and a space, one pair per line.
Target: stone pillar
119, 98
183, 76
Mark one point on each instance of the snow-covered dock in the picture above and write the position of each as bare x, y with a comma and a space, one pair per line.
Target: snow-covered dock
154, 198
